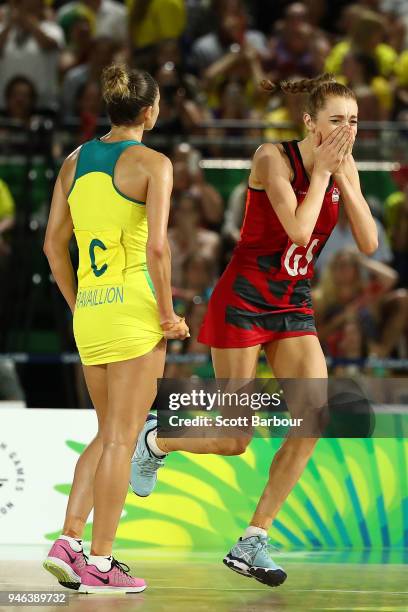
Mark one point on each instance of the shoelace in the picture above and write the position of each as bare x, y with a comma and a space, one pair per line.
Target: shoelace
121, 566
267, 546
148, 466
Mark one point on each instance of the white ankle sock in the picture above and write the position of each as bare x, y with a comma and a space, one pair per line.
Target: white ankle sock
75, 543
252, 531
103, 563
152, 443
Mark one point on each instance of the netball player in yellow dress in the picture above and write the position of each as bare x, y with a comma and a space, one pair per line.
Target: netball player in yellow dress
113, 194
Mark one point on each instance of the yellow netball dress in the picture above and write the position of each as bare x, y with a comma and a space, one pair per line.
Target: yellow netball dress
116, 315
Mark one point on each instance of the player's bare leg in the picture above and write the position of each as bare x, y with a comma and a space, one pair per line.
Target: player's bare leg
287, 360
230, 364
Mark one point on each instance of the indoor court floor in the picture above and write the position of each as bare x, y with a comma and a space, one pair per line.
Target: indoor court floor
200, 582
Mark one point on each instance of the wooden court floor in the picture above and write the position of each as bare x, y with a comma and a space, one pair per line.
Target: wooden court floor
198, 583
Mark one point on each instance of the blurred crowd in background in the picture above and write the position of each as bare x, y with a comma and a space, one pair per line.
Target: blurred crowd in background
208, 57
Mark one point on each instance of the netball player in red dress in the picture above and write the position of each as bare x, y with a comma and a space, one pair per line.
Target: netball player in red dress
263, 299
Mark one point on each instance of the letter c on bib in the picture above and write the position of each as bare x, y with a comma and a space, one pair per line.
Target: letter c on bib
97, 243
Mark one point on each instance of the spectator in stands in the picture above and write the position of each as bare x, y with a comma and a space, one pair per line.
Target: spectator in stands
170, 51
233, 103
234, 214
319, 50
29, 46
294, 14
188, 154
7, 220
303, 56
102, 53
396, 218
77, 26
225, 48
318, 11
342, 237
290, 110
187, 237
179, 111
359, 70
191, 301
241, 66
8, 376
349, 15
197, 282
20, 100
354, 288
398, 11
200, 19
108, 17
194, 313
291, 51
369, 109
89, 108
400, 109
367, 36
152, 22
392, 15
190, 177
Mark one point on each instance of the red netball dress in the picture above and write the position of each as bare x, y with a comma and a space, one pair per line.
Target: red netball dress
264, 293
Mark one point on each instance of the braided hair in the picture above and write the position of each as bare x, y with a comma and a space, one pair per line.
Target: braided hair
319, 89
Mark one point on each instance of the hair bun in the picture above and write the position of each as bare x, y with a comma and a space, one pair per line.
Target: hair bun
115, 82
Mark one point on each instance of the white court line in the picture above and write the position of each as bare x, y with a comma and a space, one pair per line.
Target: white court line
344, 591
189, 588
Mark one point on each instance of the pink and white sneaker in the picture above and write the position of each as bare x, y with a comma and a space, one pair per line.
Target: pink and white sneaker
113, 580
65, 563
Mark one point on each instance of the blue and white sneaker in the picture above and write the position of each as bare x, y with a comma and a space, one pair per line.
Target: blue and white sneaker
250, 557
144, 463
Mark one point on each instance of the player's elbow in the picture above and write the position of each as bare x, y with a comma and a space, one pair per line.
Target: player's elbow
369, 246
56, 243
156, 248
48, 248
300, 238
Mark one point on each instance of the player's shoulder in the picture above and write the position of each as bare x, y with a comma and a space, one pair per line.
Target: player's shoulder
70, 162
155, 156
270, 156
154, 160
268, 150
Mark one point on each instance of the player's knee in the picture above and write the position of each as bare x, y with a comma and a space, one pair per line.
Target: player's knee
120, 440
241, 445
232, 446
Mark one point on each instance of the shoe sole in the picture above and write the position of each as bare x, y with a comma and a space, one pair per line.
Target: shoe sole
272, 578
106, 590
62, 572
237, 565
